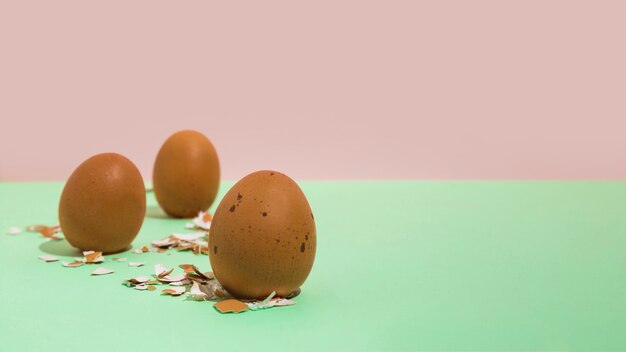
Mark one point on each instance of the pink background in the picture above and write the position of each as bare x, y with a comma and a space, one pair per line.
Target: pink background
323, 90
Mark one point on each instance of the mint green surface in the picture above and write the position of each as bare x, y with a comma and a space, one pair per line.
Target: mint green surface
399, 266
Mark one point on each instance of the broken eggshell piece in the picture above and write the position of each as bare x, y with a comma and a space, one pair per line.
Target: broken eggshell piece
102, 271
48, 258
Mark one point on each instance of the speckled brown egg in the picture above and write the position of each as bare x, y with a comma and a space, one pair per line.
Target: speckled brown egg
262, 237
186, 174
103, 204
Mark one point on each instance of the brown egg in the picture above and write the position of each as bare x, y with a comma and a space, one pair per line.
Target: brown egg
186, 174
262, 237
103, 204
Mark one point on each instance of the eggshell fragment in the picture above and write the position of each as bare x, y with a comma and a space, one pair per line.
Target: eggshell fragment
14, 230
102, 271
186, 174
196, 293
231, 306
48, 258
103, 204
92, 257
74, 264
262, 237
174, 291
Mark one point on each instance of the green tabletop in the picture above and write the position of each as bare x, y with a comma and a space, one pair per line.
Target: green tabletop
410, 265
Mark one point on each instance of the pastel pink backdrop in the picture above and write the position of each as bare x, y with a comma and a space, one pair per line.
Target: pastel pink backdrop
319, 89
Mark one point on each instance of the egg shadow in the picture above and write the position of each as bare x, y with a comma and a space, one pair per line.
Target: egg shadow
61, 248
155, 212
64, 249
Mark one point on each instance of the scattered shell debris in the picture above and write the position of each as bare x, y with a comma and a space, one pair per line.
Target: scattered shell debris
49, 232
195, 284
198, 243
200, 222
270, 302
200, 286
236, 306
143, 249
